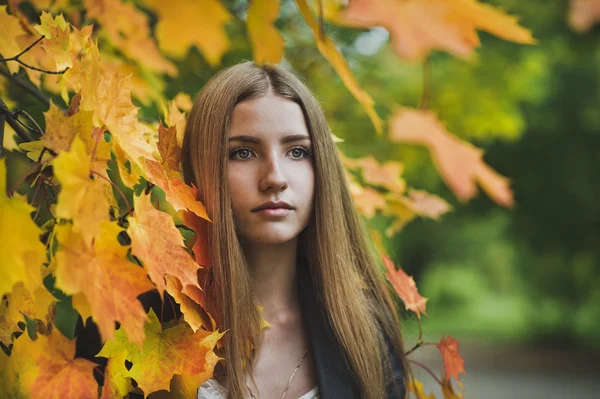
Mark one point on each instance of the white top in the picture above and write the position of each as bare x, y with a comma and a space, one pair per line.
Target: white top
211, 389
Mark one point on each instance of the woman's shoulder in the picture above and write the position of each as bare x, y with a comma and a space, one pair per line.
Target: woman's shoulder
211, 389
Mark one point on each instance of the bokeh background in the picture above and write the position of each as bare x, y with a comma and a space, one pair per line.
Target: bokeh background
519, 288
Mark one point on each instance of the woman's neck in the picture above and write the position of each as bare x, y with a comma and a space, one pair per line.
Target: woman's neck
273, 272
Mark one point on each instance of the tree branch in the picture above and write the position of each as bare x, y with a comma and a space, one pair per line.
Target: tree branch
30, 89
12, 122
2, 121
16, 59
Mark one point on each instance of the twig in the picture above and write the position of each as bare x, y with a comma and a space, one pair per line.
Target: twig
39, 39
12, 122
116, 188
321, 23
31, 89
426, 84
2, 121
30, 119
426, 369
16, 59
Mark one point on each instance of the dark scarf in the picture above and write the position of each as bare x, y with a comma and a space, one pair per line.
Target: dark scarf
336, 380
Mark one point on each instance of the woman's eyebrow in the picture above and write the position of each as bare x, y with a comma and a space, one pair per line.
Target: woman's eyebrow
284, 140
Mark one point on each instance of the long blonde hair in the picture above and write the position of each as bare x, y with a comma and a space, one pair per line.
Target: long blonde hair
344, 268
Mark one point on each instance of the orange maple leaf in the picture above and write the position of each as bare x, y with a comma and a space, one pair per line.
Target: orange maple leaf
583, 14
460, 163
419, 26
405, 287
174, 350
61, 374
99, 270
168, 147
200, 227
453, 361
158, 243
180, 195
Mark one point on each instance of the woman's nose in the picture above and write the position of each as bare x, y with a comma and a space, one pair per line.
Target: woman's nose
273, 177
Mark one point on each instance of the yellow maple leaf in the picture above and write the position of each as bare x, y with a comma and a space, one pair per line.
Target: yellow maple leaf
164, 353
114, 110
267, 42
416, 387
198, 23
38, 305
100, 269
57, 42
9, 47
20, 369
81, 199
117, 382
128, 29
22, 252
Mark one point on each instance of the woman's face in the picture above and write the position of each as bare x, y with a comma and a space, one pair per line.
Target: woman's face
270, 160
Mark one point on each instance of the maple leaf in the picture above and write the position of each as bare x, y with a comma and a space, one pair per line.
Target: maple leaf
267, 43
583, 14
405, 287
117, 382
128, 29
416, 387
20, 369
175, 350
418, 203
9, 47
168, 147
61, 375
337, 61
183, 102
386, 175
62, 129
115, 111
180, 195
460, 163
200, 227
157, 242
22, 252
198, 23
101, 269
39, 305
193, 309
175, 118
453, 361
367, 200
448, 390
57, 42
81, 199
419, 26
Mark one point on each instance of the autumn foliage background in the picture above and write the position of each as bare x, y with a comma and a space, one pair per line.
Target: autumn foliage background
469, 131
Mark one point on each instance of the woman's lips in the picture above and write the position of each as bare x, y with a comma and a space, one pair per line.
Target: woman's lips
274, 211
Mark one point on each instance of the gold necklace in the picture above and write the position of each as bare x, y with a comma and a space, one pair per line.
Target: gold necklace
289, 381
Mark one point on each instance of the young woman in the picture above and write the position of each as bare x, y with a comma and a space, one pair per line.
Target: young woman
286, 246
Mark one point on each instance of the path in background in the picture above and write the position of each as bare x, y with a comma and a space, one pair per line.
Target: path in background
515, 372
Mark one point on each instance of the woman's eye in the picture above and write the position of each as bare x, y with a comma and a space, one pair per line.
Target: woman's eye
244, 153
300, 152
